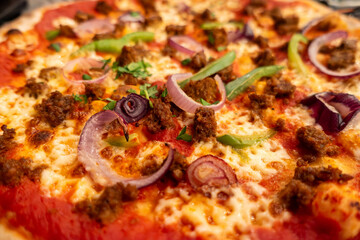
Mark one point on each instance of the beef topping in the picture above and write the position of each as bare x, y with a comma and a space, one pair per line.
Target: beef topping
20, 68
296, 195
198, 61
204, 124
284, 25
279, 87
315, 176
7, 139
33, 88
205, 16
263, 101
227, 74
103, 7
49, 73
264, 58
55, 109
40, 137
131, 54
313, 139
342, 56
218, 38
82, 16
12, 171
325, 25
168, 51
152, 16
121, 91
173, 30
261, 41
160, 117
18, 53
106, 208
67, 31
206, 89
254, 4
94, 91
149, 5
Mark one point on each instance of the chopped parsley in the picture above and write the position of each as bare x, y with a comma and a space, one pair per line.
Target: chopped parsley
110, 105
86, 77
184, 136
205, 103
134, 14
55, 46
186, 61
52, 34
164, 93
80, 98
106, 62
222, 48
137, 69
148, 92
131, 90
211, 38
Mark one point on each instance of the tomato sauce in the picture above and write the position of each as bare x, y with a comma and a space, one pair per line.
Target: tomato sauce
51, 218
301, 227
8, 77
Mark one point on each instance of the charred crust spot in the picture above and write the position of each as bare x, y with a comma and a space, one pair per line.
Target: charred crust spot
55, 109
103, 7
160, 117
40, 137
204, 124
33, 88
264, 58
82, 16
106, 208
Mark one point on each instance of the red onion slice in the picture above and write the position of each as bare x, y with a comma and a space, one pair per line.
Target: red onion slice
210, 170
185, 44
132, 17
94, 26
132, 108
245, 32
98, 167
314, 49
333, 111
84, 64
186, 103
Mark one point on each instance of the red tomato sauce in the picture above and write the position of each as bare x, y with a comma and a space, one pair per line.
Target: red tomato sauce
301, 227
8, 77
51, 218
169, 136
46, 23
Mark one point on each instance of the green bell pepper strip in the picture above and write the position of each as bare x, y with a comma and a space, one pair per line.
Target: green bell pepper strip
115, 45
213, 25
212, 68
240, 84
295, 60
237, 141
120, 141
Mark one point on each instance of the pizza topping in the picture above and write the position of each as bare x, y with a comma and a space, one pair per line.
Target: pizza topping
253, 5
66, 31
55, 109
196, 90
295, 60
81, 16
132, 17
205, 16
89, 28
40, 137
323, 24
49, 73
197, 61
264, 58
103, 7
204, 124
173, 30
239, 85
185, 44
160, 117
94, 91
341, 56
210, 171
217, 38
261, 41
33, 88
284, 25
279, 87
132, 108
315, 176
106, 208
85, 70
334, 111
227, 74
246, 32
131, 54
99, 168
7, 139
262, 101
337, 60
237, 141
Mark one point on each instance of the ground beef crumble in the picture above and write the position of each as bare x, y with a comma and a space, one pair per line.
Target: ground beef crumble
33, 88
264, 58
160, 117
7, 139
204, 124
106, 208
55, 109
279, 87
205, 89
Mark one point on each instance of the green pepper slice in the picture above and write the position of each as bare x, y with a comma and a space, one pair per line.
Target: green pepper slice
237, 141
240, 84
120, 141
295, 60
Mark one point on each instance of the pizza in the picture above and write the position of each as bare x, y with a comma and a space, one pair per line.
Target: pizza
216, 119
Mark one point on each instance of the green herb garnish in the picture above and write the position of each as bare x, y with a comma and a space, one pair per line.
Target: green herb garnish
106, 62
52, 34
148, 92
55, 46
164, 93
205, 103
211, 38
80, 98
131, 90
134, 14
110, 105
186, 61
184, 136
86, 77
137, 69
